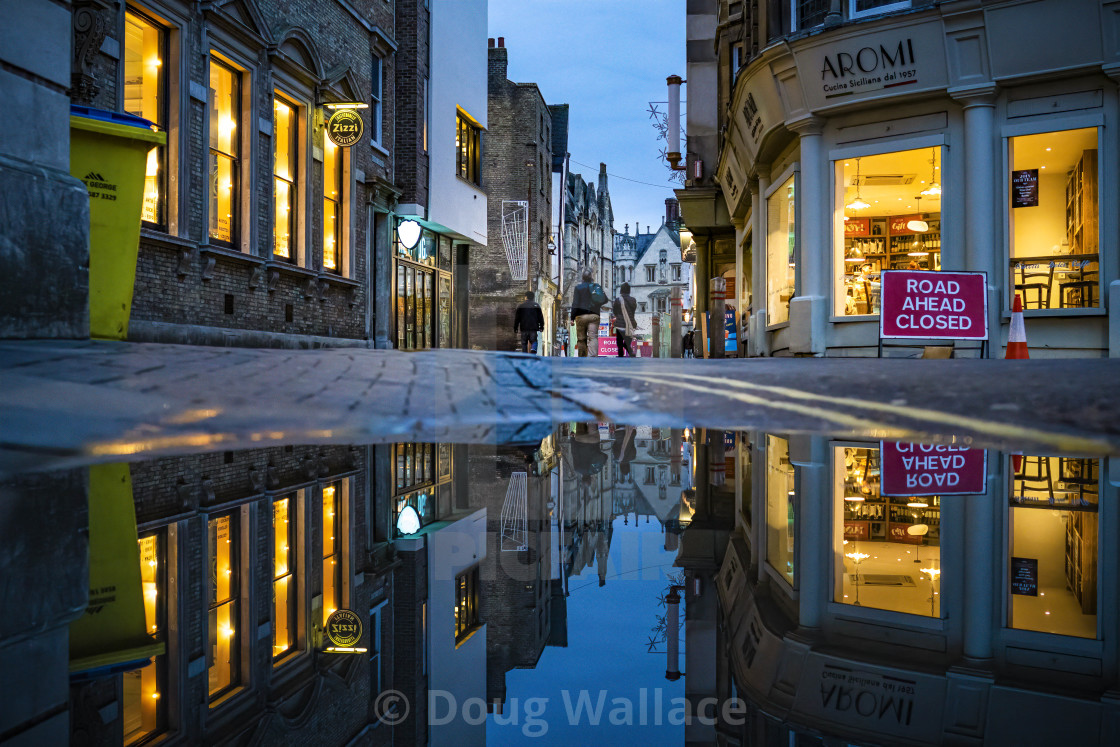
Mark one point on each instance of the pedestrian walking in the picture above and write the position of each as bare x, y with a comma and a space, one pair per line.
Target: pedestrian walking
687, 343
588, 298
529, 319
624, 307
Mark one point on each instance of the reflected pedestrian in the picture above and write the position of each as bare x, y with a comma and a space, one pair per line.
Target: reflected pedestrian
624, 308
529, 319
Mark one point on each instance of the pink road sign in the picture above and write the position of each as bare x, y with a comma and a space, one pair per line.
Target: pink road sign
934, 305
931, 469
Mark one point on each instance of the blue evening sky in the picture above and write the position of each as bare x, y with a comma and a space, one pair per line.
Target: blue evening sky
606, 59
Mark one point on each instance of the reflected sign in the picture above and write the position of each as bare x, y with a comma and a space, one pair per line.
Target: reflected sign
932, 469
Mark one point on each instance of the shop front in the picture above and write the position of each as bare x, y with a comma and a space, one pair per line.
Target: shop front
424, 291
929, 141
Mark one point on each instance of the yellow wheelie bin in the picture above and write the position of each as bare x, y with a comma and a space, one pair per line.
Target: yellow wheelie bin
109, 153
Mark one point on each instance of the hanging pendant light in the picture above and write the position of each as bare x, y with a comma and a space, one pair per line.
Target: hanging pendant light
918, 225
857, 203
934, 189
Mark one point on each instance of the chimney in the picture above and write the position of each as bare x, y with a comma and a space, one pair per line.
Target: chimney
498, 63
672, 211
602, 178
490, 42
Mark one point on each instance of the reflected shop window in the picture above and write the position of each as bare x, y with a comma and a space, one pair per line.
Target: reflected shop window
781, 245
142, 709
332, 541
421, 486
890, 204
285, 582
781, 500
887, 549
1052, 538
1053, 213
223, 660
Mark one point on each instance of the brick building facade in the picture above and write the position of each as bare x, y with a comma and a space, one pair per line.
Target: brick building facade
517, 168
255, 224
588, 233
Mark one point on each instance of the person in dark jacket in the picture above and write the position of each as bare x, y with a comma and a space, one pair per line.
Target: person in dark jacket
585, 317
529, 319
624, 308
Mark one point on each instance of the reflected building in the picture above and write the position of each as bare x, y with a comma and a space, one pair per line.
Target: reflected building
918, 619
211, 578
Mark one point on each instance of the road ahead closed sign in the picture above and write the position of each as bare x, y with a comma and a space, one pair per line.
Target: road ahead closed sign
934, 305
932, 469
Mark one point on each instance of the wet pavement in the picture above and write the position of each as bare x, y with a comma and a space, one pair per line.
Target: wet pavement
554, 552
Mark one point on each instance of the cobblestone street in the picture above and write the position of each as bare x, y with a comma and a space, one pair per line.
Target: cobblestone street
105, 401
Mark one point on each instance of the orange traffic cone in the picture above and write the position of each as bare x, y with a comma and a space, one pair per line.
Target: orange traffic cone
1017, 335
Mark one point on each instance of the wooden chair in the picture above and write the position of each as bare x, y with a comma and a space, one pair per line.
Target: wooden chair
1034, 476
1037, 282
1080, 474
1081, 292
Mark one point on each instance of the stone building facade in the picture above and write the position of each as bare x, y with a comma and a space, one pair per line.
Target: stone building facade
588, 233
255, 224
517, 168
651, 263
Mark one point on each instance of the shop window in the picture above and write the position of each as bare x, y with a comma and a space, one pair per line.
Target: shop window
467, 149
865, 8
808, 13
1052, 528
285, 584
886, 550
332, 206
781, 267
418, 251
417, 500
377, 71
1054, 219
225, 152
145, 95
223, 654
891, 209
466, 604
781, 500
143, 710
285, 178
332, 543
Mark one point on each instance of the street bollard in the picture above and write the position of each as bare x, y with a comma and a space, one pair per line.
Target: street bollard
675, 323
716, 321
656, 335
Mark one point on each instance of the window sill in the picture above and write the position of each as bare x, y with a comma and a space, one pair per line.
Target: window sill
226, 697
1005, 314
470, 634
237, 256
378, 148
164, 239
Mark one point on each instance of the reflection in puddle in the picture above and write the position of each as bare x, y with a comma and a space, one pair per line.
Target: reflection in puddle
643, 585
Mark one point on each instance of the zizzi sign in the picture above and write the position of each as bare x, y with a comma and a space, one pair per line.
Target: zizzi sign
934, 305
345, 127
869, 68
931, 469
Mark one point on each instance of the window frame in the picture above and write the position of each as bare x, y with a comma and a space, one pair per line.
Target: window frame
1041, 126
340, 211
294, 569
296, 194
376, 100
467, 589
237, 161
854, 14
161, 661
468, 154
338, 545
163, 156
794, 17
792, 172
235, 598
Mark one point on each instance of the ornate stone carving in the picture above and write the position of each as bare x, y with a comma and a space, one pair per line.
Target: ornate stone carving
273, 279
184, 267
90, 29
208, 268
255, 277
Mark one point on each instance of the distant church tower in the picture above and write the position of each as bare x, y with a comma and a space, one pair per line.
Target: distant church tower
625, 255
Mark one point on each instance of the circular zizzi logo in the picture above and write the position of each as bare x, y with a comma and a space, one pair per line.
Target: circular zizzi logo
345, 127
344, 628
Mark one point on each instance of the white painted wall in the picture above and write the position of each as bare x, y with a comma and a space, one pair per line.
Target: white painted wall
459, 672
458, 79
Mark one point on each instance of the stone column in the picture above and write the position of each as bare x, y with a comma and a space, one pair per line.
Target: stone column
715, 317
700, 302
980, 203
382, 287
980, 570
809, 455
675, 322
758, 265
656, 334
807, 313
740, 282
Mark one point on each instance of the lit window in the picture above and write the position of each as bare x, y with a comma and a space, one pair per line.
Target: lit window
1055, 213
332, 201
332, 558
284, 580
143, 711
781, 247
466, 604
145, 95
377, 72
887, 550
285, 178
223, 656
1053, 545
890, 204
781, 548
467, 146
225, 152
